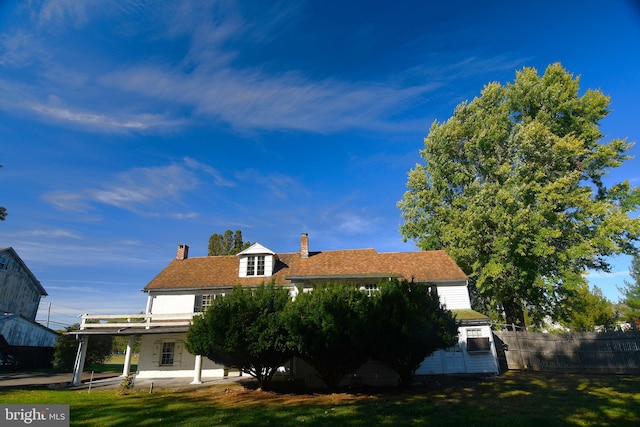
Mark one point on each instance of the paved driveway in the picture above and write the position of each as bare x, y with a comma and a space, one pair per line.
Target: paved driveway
45, 379
103, 380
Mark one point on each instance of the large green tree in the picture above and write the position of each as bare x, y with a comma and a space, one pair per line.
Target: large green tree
409, 324
329, 328
512, 187
246, 330
590, 310
631, 290
229, 243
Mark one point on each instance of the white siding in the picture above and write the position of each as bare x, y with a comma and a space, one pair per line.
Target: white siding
184, 362
243, 267
432, 365
257, 250
172, 304
442, 362
454, 297
268, 265
486, 362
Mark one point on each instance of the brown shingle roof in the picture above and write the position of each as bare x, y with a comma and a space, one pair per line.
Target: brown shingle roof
219, 271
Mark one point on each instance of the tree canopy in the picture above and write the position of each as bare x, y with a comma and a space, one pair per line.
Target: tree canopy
590, 309
330, 330
512, 187
336, 328
631, 290
244, 330
229, 243
409, 324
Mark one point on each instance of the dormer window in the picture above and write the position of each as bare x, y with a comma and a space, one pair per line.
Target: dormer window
256, 261
255, 265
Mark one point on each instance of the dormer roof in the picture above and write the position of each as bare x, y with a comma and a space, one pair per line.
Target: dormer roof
256, 249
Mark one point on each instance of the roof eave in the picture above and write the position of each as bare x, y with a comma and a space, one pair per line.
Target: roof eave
344, 276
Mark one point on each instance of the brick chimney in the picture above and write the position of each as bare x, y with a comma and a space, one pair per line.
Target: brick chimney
183, 252
304, 245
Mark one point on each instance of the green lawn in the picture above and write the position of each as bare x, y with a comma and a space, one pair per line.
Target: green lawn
114, 363
514, 399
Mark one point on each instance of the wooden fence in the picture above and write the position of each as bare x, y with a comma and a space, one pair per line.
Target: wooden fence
611, 352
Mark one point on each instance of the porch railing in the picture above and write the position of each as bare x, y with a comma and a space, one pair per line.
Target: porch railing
98, 321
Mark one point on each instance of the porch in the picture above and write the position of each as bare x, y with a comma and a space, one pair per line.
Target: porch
130, 325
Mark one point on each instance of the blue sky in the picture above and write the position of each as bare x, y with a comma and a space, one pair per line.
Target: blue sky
129, 127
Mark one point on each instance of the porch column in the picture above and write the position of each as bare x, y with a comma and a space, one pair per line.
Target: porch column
78, 365
127, 358
197, 370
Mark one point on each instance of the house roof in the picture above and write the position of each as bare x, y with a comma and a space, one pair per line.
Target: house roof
470, 317
16, 257
256, 249
221, 271
23, 336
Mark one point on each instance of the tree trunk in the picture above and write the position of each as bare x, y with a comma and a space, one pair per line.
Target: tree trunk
514, 313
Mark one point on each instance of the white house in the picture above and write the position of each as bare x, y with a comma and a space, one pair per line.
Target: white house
187, 286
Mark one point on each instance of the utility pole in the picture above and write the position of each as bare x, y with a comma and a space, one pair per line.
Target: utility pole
48, 313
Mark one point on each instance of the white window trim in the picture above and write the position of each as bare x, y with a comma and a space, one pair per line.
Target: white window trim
168, 353
255, 265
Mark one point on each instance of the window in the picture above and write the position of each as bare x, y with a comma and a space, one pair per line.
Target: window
203, 302
369, 289
474, 333
255, 265
433, 290
476, 343
260, 271
4, 262
251, 266
168, 352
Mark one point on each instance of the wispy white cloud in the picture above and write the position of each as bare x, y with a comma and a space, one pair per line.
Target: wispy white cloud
250, 99
212, 79
53, 233
20, 48
142, 190
354, 223
181, 216
206, 83
218, 179
278, 185
146, 186
86, 118
40, 252
64, 13
67, 201
108, 123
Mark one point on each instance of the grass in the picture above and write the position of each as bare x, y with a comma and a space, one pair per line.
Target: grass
114, 363
514, 399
